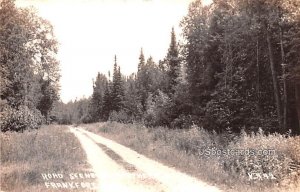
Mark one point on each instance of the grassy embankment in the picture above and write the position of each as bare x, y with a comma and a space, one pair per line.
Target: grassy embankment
182, 149
26, 156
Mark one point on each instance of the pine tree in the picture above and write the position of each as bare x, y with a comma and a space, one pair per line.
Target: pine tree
141, 61
235, 85
97, 100
141, 89
117, 88
173, 63
107, 101
132, 105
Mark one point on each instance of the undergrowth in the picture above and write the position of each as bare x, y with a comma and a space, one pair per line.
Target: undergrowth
248, 162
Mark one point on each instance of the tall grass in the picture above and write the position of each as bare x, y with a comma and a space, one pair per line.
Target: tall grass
185, 150
25, 156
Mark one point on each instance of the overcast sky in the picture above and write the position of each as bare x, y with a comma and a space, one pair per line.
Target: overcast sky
91, 32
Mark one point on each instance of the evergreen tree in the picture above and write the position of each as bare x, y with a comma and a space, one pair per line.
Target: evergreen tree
97, 100
141, 61
132, 106
107, 101
199, 60
141, 85
173, 63
221, 68
117, 88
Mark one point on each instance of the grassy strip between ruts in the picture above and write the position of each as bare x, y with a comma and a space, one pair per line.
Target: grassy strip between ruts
28, 158
176, 148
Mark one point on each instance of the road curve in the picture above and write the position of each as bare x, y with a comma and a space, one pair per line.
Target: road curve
119, 168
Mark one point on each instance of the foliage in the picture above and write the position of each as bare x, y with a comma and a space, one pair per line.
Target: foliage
158, 110
231, 84
195, 151
29, 69
51, 148
236, 68
97, 99
173, 63
120, 116
276, 156
117, 92
20, 119
72, 112
132, 105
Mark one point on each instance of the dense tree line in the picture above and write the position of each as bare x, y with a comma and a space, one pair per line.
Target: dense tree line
237, 68
29, 70
73, 112
242, 60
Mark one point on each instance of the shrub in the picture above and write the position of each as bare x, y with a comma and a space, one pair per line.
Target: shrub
120, 116
193, 141
196, 148
20, 119
183, 121
275, 160
65, 119
158, 110
87, 118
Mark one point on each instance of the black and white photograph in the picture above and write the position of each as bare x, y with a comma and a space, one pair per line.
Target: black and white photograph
150, 95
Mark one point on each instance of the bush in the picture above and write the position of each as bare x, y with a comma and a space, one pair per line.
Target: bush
278, 155
20, 119
120, 116
194, 141
184, 121
158, 110
65, 119
86, 118
198, 150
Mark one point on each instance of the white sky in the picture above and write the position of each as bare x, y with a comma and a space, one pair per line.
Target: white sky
91, 32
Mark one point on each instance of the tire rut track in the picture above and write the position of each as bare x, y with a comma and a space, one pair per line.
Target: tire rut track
140, 175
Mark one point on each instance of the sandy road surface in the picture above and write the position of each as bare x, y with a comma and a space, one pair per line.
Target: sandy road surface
119, 168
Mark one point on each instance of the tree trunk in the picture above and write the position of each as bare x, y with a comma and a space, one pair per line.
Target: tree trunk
297, 92
258, 92
274, 78
284, 81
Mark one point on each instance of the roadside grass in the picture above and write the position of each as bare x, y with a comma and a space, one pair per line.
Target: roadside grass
183, 150
26, 156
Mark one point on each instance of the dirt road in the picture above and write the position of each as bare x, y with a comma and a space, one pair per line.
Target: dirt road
119, 168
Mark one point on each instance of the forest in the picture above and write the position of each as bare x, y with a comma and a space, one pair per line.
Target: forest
29, 72
238, 68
